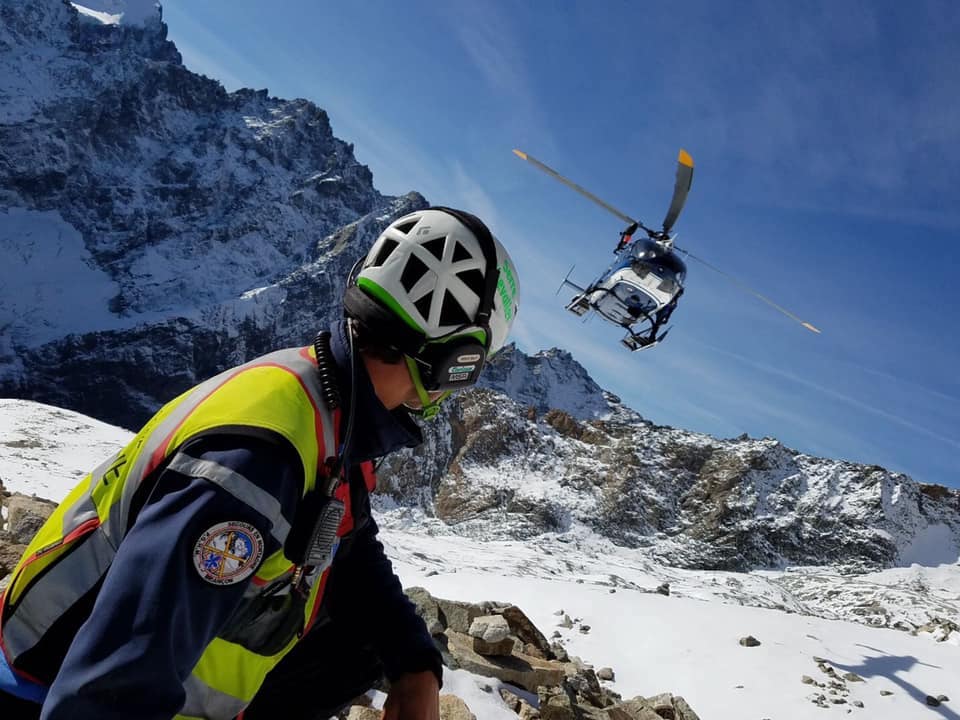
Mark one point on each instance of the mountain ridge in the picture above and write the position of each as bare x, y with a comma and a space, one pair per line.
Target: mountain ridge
119, 170
159, 230
45, 451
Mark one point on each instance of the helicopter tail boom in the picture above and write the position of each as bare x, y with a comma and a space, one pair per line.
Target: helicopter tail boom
567, 282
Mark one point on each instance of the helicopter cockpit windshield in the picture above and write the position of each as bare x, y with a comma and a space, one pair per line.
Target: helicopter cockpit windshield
639, 285
661, 275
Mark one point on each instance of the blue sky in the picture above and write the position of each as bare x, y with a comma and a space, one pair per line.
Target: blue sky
826, 138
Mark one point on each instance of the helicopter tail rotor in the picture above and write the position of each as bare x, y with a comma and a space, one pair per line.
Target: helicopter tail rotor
567, 282
680, 190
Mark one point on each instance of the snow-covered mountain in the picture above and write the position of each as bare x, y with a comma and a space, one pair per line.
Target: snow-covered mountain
660, 628
551, 380
153, 227
502, 469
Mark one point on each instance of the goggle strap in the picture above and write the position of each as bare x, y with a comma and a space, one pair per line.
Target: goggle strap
428, 409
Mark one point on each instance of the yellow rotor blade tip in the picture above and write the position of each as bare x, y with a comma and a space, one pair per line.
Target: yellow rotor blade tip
520, 154
684, 158
808, 326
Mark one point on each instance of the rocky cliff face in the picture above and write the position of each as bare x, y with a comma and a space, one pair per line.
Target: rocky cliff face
156, 228
550, 380
501, 469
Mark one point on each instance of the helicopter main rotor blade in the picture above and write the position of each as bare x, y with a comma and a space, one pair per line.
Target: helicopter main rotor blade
583, 191
749, 289
680, 189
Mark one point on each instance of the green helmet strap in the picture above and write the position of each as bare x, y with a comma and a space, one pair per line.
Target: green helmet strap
429, 408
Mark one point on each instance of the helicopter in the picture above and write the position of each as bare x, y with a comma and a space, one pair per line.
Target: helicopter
640, 290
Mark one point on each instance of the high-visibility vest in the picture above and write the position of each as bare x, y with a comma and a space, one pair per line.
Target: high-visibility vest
278, 394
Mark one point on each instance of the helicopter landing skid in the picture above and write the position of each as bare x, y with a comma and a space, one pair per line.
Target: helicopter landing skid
637, 342
579, 306
633, 341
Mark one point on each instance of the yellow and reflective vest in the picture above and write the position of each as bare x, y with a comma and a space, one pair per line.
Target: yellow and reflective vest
278, 393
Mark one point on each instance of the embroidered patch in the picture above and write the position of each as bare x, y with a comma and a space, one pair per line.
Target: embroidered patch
228, 553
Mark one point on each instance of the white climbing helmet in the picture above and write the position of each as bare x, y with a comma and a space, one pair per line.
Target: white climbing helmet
430, 268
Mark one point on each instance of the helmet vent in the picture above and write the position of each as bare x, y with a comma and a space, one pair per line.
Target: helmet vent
406, 227
473, 279
452, 313
388, 247
435, 247
412, 273
460, 253
423, 305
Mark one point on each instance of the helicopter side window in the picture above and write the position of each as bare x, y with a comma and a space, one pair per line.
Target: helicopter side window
667, 285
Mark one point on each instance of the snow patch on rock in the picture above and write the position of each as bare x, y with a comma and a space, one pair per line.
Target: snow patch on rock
120, 12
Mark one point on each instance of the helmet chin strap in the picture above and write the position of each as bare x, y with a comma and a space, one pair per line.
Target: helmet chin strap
428, 408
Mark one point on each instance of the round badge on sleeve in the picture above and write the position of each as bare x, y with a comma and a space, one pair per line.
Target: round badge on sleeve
228, 553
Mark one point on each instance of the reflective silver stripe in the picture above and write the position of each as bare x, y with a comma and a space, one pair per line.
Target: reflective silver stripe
80, 512
118, 520
56, 592
238, 486
206, 702
252, 589
64, 583
83, 509
289, 358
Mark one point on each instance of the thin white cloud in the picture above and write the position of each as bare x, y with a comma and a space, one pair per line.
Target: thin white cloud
913, 386
472, 197
209, 55
837, 395
493, 47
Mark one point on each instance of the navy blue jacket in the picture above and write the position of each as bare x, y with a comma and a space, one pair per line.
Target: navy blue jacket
155, 614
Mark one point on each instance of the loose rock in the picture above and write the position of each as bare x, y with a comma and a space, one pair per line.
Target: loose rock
522, 627
362, 712
453, 708
528, 711
510, 700
491, 628
427, 608
749, 641
501, 648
